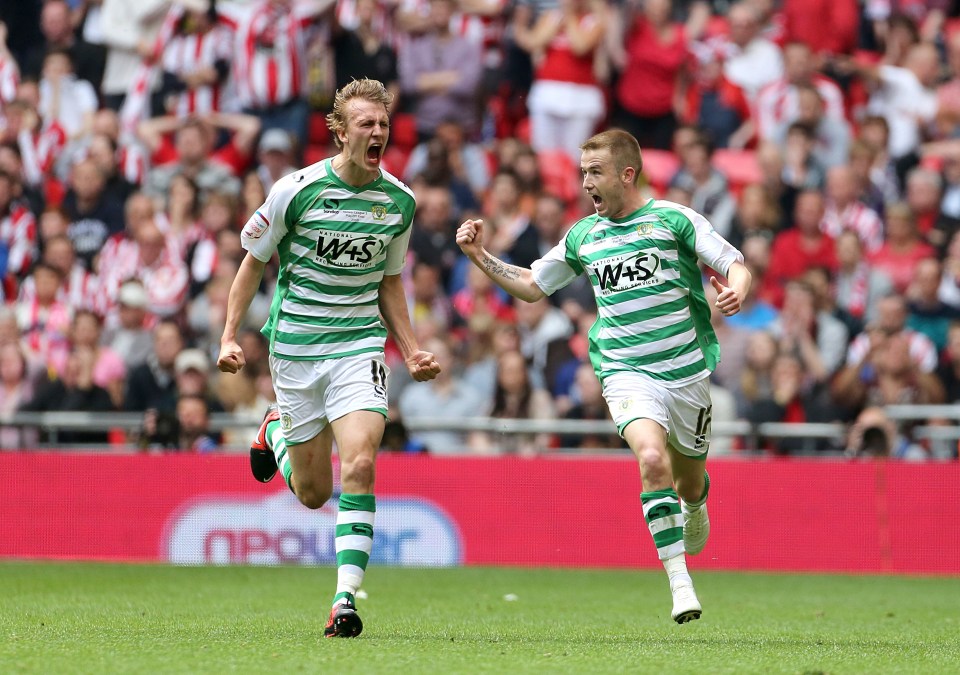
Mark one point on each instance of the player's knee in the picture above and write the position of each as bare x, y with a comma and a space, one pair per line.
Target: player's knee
358, 472
313, 496
653, 460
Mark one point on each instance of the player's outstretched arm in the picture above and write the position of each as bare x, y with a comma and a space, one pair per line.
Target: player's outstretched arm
517, 281
244, 287
422, 365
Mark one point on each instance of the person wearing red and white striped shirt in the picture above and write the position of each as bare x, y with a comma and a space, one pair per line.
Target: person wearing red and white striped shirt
269, 40
78, 289
845, 212
778, 102
196, 62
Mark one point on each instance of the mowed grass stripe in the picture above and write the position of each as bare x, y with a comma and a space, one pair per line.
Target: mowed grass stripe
91, 618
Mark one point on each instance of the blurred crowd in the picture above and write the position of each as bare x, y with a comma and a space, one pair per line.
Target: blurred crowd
821, 137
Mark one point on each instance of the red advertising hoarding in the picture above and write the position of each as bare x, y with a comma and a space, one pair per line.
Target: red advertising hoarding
766, 515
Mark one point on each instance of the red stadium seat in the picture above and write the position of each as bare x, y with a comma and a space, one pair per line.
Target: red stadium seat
314, 154
561, 177
659, 166
739, 166
395, 160
403, 131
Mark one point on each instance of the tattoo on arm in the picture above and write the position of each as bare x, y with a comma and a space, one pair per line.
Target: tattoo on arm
499, 268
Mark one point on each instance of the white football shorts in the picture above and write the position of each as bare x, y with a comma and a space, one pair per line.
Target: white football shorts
684, 412
311, 394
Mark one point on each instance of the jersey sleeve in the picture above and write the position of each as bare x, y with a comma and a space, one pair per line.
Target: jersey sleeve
267, 226
715, 251
397, 252
553, 271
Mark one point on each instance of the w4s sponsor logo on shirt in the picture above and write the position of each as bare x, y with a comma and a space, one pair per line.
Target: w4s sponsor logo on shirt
341, 249
623, 272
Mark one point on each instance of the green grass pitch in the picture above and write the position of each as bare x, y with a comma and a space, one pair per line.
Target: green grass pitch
92, 618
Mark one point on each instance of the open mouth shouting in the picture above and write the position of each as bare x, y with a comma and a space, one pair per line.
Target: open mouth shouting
375, 153
597, 202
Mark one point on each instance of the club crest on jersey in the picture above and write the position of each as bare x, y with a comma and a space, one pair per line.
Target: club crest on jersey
256, 226
379, 211
286, 422
349, 250
645, 228
630, 270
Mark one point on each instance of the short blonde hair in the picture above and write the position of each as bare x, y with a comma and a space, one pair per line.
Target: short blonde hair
623, 148
366, 89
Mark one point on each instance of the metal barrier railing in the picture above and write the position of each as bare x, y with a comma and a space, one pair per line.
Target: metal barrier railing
52, 423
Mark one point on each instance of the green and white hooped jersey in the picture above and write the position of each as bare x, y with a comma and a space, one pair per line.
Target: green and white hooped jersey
652, 314
335, 242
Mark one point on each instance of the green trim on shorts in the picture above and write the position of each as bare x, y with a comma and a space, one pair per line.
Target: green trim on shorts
701, 455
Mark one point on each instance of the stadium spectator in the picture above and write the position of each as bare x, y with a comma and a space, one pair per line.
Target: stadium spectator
798, 248
844, 211
873, 435
924, 192
45, 320
109, 370
540, 323
195, 61
515, 397
543, 231
859, 286
794, 397
757, 214
466, 162
427, 300
950, 284
817, 339
446, 397
652, 59
589, 404
269, 69
192, 151
192, 375
432, 238
778, 103
129, 336
948, 372
18, 232
485, 342
274, 157
73, 391
152, 385
565, 101
753, 383
801, 170
903, 248
709, 189
904, 95
441, 74
16, 389
361, 50
9, 70
193, 425
58, 33
928, 314
65, 101
752, 62
891, 321
130, 31
441, 169
103, 151
94, 215
758, 312
887, 375
862, 158
716, 105
831, 137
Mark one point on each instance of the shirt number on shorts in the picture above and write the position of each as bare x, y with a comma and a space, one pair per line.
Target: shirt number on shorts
379, 374
703, 428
